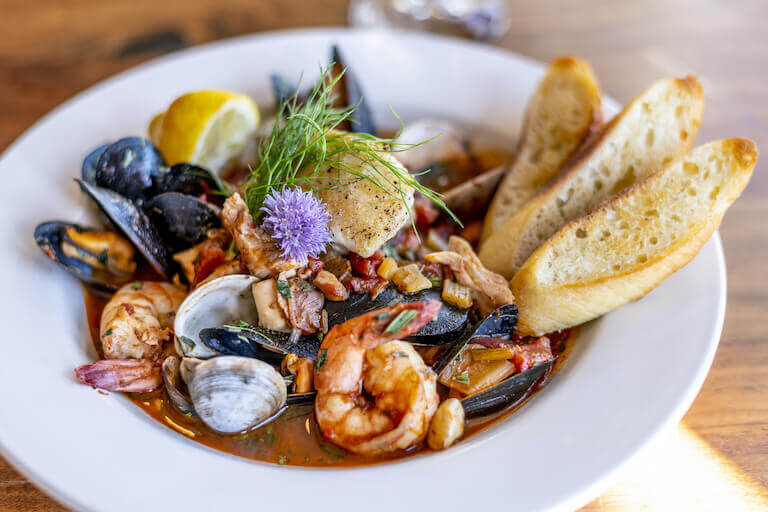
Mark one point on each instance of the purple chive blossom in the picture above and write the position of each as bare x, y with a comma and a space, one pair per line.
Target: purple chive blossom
298, 221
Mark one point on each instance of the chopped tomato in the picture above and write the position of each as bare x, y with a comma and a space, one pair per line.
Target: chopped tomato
529, 355
433, 270
366, 267
374, 286
207, 261
426, 213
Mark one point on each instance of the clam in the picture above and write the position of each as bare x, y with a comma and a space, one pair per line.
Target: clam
99, 258
231, 394
175, 387
129, 167
181, 220
221, 301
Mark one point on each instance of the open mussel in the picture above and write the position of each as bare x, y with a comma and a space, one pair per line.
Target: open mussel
129, 167
181, 220
102, 259
231, 394
133, 223
501, 323
349, 93
253, 341
505, 393
444, 329
225, 300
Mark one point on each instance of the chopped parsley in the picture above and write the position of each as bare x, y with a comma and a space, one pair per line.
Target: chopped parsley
284, 287
137, 285
401, 320
103, 256
305, 285
188, 341
437, 282
399, 354
333, 451
108, 332
462, 378
321, 357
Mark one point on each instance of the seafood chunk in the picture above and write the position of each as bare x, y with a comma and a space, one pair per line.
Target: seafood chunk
359, 355
363, 216
258, 251
271, 315
301, 304
137, 320
489, 289
128, 375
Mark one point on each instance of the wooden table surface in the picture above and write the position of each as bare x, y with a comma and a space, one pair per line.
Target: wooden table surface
717, 459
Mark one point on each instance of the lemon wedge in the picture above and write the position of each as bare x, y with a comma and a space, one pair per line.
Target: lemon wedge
207, 128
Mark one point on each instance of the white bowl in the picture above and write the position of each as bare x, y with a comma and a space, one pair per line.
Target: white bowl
630, 373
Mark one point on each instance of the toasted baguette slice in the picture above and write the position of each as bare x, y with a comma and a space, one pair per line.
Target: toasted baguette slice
562, 113
656, 127
628, 246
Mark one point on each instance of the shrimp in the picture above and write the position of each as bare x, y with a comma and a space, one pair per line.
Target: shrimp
129, 375
137, 320
361, 355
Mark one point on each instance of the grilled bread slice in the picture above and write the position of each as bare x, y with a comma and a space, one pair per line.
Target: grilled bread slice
629, 245
656, 127
560, 116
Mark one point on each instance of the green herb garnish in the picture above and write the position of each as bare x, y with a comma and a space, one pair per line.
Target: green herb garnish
103, 257
187, 341
281, 459
399, 354
138, 285
321, 356
284, 287
108, 332
401, 320
436, 282
462, 378
389, 251
333, 451
306, 138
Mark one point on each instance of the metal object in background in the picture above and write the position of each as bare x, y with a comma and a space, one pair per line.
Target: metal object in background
485, 20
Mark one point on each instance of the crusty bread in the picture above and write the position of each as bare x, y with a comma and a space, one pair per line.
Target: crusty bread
562, 113
654, 128
628, 246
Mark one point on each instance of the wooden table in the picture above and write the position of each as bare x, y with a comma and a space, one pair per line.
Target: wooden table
50, 50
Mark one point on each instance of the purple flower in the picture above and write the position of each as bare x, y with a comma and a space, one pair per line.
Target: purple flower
298, 222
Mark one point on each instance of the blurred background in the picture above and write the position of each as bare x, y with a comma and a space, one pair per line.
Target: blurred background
717, 458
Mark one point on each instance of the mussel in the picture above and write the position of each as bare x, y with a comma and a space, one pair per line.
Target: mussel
188, 179
501, 323
226, 300
231, 394
444, 329
129, 167
99, 258
181, 220
249, 340
283, 89
349, 93
88, 172
133, 223
505, 393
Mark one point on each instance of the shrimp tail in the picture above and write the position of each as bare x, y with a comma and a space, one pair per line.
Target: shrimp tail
129, 375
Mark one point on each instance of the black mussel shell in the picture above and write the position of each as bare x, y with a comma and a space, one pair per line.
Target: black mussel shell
181, 220
234, 342
128, 167
446, 328
88, 172
259, 343
350, 94
282, 88
300, 399
133, 223
50, 235
503, 394
188, 179
501, 323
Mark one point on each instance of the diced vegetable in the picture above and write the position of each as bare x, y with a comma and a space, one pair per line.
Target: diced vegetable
366, 267
409, 279
331, 287
387, 268
456, 294
492, 354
